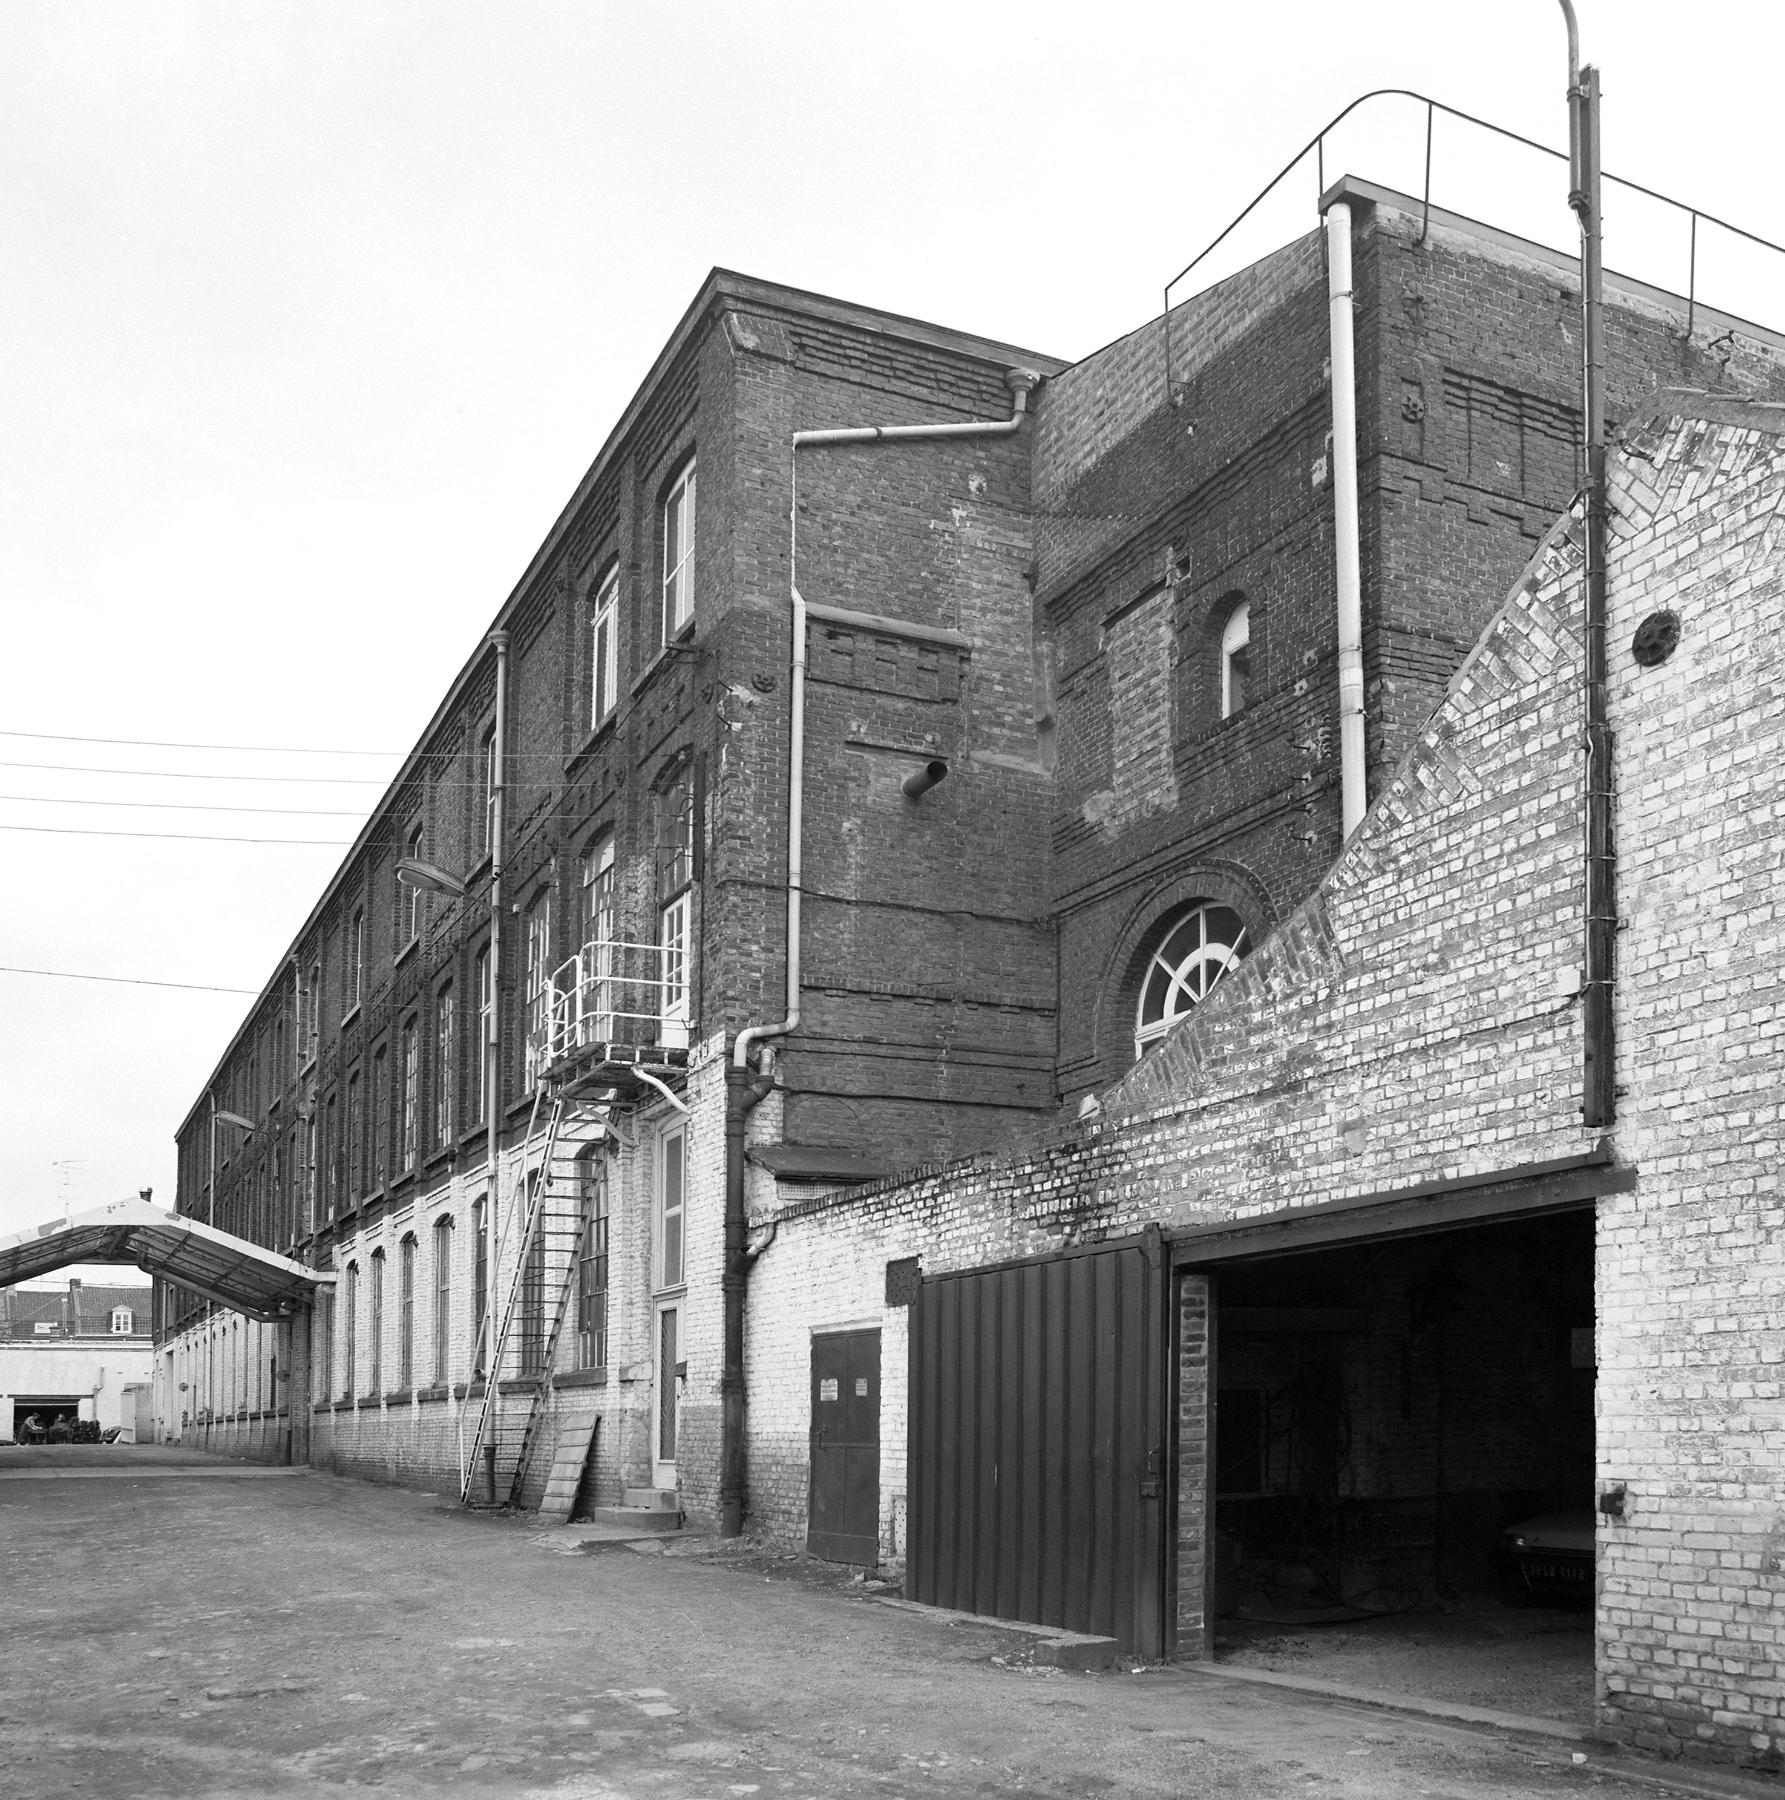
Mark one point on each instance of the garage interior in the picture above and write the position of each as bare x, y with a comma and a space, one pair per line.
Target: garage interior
1385, 1409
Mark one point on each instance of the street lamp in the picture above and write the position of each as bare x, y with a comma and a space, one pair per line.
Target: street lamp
220, 1117
412, 872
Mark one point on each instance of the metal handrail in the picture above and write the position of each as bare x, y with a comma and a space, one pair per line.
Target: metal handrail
1317, 144
613, 988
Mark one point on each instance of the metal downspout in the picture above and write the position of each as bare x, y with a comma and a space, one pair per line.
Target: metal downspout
742, 1092
1348, 569
1598, 1051
493, 1088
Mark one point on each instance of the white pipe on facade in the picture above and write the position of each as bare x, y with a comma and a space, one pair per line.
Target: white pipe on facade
493, 1055
1021, 381
1348, 563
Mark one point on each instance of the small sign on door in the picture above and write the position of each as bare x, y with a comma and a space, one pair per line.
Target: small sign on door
861, 1387
827, 1387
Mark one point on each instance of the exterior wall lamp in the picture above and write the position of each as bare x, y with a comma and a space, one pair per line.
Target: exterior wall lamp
428, 878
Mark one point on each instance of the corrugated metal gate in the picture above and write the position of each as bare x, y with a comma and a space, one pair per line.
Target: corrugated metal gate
1038, 1484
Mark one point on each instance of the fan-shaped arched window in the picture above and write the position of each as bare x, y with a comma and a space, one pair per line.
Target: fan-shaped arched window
1195, 950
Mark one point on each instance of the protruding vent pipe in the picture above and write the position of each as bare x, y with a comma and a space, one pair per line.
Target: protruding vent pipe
1348, 567
934, 772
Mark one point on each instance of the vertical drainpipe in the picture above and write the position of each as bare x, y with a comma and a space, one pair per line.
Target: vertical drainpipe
1348, 567
1598, 1067
493, 1058
742, 1090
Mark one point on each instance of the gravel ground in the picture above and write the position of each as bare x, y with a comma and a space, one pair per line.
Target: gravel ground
175, 1627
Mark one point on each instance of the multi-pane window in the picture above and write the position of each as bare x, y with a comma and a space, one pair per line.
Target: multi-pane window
410, 1124
406, 1312
672, 943
123, 1321
1236, 650
349, 1326
442, 1299
591, 1267
672, 1162
1196, 948
487, 784
480, 1282
480, 1060
532, 1320
539, 985
356, 959
380, 1117
311, 1026
409, 899
675, 873
603, 649
678, 553
599, 930
356, 1139
375, 1326
446, 1072
325, 1344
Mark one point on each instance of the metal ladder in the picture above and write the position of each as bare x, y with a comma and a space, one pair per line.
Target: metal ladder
562, 1229
553, 1212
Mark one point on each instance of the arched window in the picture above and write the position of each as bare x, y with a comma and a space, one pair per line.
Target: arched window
349, 1321
1236, 640
442, 1299
1194, 951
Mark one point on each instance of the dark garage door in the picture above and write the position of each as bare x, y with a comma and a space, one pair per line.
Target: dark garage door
1038, 1445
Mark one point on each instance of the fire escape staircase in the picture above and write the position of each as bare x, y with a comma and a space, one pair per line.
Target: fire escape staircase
538, 1249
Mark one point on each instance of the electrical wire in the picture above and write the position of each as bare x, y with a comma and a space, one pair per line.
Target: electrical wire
209, 775
63, 737
196, 987
315, 812
194, 837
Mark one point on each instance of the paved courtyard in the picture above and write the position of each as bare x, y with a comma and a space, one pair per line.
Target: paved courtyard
179, 1626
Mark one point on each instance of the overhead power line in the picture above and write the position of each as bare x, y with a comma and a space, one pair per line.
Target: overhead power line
63, 737
314, 812
194, 837
195, 987
206, 775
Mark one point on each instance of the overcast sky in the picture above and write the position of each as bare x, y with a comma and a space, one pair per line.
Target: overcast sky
313, 315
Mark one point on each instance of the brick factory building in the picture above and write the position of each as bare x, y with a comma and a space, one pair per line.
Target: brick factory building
1023, 682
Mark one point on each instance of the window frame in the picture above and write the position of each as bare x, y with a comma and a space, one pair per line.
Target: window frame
667, 1276
375, 1322
349, 1334
442, 1344
604, 656
409, 1073
355, 971
406, 1252
446, 1074
1154, 966
481, 968
537, 966
1236, 645
677, 529
412, 901
593, 1270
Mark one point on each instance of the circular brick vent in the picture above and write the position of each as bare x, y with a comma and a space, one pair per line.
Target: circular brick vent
1656, 638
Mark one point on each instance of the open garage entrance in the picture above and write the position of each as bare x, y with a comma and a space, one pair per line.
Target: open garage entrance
1389, 1411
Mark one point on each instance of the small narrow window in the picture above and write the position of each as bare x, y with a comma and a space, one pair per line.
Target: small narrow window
349, 1321
672, 1155
381, 1098
480, 1283
539, 987
673, 952
411, 901
678, 554
442, 1299
406, 1312
1236, 652
603, 649
375, 1326
487, 778
480, 1055
532, 1319
356, 1139
356, 960
409, 1132
123, 1321
446, 1072
591, 1284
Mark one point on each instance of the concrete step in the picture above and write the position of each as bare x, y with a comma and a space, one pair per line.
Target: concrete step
638, 1518
656, 1499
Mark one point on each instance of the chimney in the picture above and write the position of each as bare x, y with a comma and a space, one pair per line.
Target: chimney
74, 1306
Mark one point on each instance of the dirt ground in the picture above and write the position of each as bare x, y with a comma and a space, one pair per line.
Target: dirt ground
1534, 1660
176, 1626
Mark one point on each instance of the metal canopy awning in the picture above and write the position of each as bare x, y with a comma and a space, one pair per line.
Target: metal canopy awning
200, 1258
